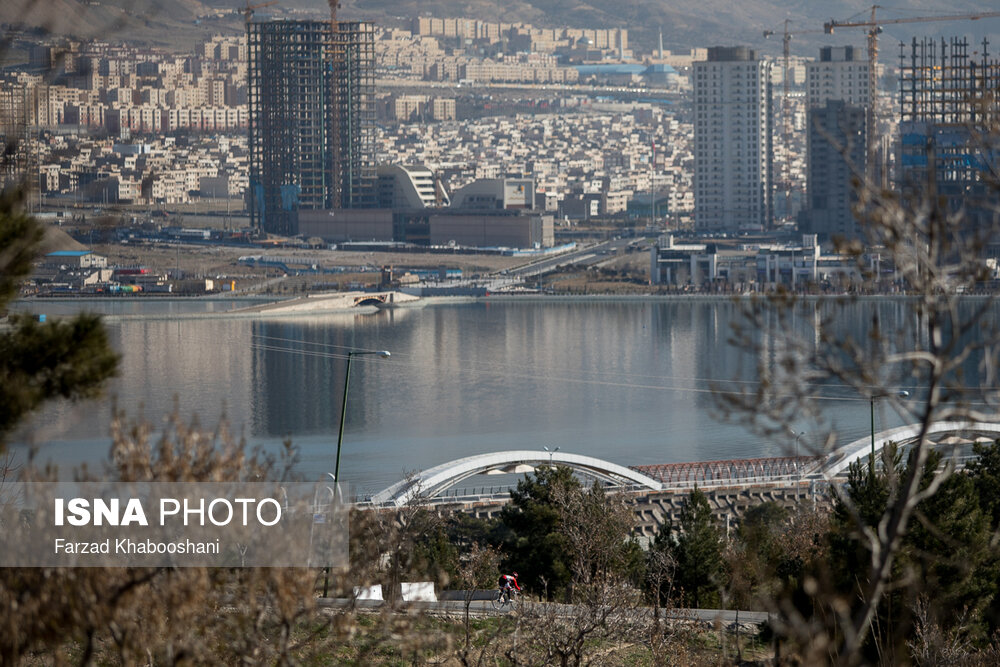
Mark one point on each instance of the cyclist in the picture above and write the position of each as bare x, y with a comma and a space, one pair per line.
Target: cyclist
508, 582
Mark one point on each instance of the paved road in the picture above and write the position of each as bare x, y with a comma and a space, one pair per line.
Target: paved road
584, 254
484, 607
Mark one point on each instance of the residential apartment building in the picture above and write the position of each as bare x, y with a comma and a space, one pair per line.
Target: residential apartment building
733, 137
837, 117
443, 108
841, 73
837, 139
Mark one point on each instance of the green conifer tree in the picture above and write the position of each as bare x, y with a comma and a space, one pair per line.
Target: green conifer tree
535, 544
41, 361
695, 543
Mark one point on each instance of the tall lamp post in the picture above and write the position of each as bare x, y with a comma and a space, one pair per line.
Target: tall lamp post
797, 436
340, 436
550, 454
873, 398
343, 408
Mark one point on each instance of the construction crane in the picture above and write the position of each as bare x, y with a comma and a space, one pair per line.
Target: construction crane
249, 9
785, 113
874, 30
786, 44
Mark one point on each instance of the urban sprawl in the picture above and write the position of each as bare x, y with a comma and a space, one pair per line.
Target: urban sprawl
739, 170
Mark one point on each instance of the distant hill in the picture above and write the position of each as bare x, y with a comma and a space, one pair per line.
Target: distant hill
684, 23
687, 23
170, 24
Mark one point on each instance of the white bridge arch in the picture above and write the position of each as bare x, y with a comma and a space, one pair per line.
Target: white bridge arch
434, 481
841, 458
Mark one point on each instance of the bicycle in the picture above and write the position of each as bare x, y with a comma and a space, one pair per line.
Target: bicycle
505, 598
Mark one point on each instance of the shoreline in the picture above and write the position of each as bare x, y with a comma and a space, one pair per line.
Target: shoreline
261, 307
257, 308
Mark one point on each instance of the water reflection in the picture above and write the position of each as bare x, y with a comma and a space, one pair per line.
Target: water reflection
630, 381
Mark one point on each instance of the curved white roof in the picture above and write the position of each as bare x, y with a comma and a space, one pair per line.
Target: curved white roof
842, 457
431, 482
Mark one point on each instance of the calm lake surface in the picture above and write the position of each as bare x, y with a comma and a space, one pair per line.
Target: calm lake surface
627, 381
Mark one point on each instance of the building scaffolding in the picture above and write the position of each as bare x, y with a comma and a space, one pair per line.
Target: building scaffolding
355, 101
941, 83
17, 168
948, 131
312, 119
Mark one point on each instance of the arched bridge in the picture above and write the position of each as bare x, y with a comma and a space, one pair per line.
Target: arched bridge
942, 433
372, 299
432, 482
435, 482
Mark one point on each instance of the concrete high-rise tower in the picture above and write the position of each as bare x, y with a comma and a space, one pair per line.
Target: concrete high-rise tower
837, 139
837, 131
841, 73
733, 137
312, 119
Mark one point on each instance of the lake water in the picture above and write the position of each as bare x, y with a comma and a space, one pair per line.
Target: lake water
627, 381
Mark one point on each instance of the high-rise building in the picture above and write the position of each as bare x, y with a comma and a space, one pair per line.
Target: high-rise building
841, 73
18, 161
836, 144
948, 118
733, 136
312, 119
837, 131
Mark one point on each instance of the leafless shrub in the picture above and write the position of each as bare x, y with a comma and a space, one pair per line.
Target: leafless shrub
937, 260
193, 615
477, 571
934, 645
604, 604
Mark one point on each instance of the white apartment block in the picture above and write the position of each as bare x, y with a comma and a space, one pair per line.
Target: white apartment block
841, 73
443, 108
838, 96
733, 130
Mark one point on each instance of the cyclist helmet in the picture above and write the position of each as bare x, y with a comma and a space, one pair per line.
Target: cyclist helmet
514, 574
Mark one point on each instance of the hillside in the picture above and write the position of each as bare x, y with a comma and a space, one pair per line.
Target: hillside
168, 24
688, 23
684, 23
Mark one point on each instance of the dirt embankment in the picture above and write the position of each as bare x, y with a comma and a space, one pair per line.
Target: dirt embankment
350, 270
354, 269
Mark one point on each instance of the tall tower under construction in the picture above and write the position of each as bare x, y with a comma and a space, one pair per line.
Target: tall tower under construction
312, 119
948, 127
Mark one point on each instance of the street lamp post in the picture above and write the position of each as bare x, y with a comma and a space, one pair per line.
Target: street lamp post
873, 398
797, 436
340, 436
343, 408
550, 454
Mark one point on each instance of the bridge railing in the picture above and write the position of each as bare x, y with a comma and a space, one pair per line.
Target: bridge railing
733, 471
501, 493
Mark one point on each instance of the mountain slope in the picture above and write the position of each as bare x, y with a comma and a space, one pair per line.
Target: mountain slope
687, 23
684, 23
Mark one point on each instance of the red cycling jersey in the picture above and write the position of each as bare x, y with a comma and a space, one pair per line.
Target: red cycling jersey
507, 580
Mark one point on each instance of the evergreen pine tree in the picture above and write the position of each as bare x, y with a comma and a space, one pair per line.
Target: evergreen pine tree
695, 543
41, 361
532, 537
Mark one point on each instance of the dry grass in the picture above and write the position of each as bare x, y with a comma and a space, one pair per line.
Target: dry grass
213, 260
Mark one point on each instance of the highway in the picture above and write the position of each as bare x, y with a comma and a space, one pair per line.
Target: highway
626, 92
583, 255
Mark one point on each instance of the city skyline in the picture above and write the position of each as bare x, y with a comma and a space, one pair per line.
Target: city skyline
162, 114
